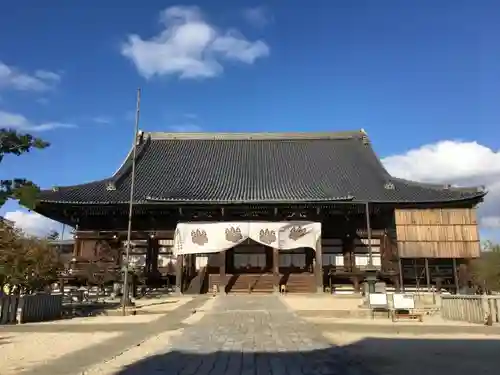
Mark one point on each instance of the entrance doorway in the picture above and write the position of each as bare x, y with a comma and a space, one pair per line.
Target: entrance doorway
249, 257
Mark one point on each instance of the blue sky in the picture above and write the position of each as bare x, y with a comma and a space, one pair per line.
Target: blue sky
422, 77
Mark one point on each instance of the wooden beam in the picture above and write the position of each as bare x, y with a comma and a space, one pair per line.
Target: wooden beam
222, 271
276, 273
427, 274
318, 267
178, 273
401, 276
455, 275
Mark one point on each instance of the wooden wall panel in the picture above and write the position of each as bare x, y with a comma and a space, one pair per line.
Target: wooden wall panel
449, 249
437, 233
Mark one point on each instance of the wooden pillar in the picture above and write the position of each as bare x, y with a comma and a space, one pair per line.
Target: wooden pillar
318, 267
222, 271
77, 247
369, 235
455, 275
155, 252
178, 273
427, 274
149, 256
309, 259
276, 270
401, 275
356, 284
397, 285
348, 252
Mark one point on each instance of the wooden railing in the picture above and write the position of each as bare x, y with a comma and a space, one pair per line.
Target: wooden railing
481, 309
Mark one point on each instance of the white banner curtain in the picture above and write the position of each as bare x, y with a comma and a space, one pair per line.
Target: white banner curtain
209, 237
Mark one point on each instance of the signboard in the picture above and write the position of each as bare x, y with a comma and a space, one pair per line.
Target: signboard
378, 300
403, 301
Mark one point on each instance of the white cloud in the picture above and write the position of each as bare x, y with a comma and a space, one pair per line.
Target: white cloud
190, 47
48, 76
102, 120
257, 16
20, 122
13, 78
186, 128
458, 163
36, 225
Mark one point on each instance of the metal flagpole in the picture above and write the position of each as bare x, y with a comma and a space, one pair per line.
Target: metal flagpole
125, 298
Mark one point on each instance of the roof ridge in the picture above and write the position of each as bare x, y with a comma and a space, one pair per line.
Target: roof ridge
356, 134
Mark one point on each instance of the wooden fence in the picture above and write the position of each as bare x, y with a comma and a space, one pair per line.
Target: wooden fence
30, 308
472, 309
8, 309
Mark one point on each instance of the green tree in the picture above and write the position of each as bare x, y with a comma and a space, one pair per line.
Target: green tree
28, 263
490, 246
486, 269
20, 189
53, 235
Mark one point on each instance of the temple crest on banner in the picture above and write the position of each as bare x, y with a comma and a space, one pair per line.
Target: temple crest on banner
297, 232
267, 236
233, 234
199, 237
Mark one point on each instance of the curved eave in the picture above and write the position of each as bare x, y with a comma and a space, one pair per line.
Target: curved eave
476, 197
153, 201
441, 187
57, 195
463, 194
106, 186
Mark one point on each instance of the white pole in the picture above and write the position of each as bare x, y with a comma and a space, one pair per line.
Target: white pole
125, 298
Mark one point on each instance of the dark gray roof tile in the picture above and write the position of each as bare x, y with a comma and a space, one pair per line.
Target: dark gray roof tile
262, 167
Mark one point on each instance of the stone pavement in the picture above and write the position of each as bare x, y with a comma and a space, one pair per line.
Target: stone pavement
248, 335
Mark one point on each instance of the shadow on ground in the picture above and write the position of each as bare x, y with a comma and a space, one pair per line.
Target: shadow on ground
79, 310
366, 356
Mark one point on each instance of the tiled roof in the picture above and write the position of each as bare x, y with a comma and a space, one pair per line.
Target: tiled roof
256, 168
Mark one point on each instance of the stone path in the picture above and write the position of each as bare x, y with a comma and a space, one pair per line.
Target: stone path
250, 335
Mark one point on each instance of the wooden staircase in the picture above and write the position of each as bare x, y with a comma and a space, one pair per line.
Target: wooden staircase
244, 284
300, 283
262, 283
251, 283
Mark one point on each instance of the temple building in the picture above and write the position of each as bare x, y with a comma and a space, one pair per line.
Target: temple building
257, 212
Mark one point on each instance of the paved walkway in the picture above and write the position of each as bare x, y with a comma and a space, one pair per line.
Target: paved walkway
247, 335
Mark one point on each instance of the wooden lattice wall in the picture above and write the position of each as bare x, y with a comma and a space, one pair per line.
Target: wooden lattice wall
437, 233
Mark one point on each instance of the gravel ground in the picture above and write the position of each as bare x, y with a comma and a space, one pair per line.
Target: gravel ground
61, 346
21, 352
